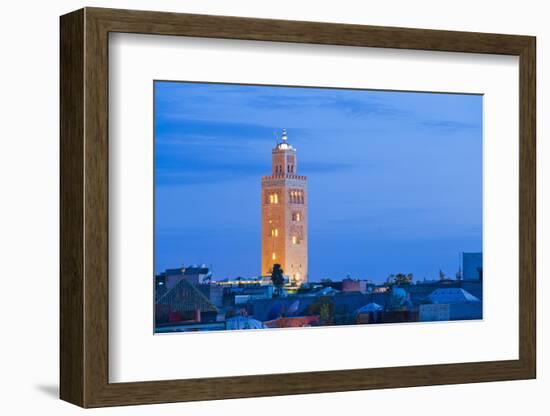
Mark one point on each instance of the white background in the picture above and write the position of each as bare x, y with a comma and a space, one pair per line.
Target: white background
136, 60
29, 210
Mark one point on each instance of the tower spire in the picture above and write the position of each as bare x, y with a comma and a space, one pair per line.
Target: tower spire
284, 138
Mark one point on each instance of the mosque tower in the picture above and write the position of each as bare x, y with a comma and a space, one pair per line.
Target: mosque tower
284, 215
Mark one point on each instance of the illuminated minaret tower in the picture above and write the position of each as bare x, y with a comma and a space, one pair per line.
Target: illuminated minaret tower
284, 215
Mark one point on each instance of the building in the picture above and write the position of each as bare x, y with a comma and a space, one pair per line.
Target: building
197, 274
284, 215
243, 322
293, 322
243, 282
160, 285
193, 274
245, 295
214, 293
472, 266
184, 302
451, 304
354, 285
451, 295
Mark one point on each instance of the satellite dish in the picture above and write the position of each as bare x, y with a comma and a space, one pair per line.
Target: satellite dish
293, 308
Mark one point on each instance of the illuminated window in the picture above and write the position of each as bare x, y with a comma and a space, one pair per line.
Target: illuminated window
296, 216
294, 240
296, 196
275, 232
273, 256
273, 199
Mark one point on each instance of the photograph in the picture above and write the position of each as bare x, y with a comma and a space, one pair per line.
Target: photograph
293, 207
255, 205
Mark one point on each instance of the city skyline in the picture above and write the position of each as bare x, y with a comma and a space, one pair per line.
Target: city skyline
395, 177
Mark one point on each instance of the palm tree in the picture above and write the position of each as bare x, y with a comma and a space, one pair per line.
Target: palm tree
402, 279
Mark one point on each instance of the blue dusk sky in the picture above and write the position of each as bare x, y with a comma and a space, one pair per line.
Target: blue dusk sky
394, 178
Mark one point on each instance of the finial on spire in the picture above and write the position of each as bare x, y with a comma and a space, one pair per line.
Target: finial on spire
284, 135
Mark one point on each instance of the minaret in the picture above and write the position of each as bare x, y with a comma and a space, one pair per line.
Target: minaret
284, 215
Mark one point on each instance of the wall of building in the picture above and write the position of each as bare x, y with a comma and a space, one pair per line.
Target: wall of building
350, 285
472, 266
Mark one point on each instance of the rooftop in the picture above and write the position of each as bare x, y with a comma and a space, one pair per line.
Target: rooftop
452, 295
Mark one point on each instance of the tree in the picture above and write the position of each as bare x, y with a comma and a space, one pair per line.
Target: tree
399, 279
324, 307
277, 278
402, 279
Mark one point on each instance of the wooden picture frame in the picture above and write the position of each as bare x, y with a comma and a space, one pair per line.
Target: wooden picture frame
84, 207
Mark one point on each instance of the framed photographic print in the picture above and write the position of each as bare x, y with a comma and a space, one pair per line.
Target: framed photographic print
255, 207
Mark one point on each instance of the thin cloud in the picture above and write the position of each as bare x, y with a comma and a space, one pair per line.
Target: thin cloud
449, 126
